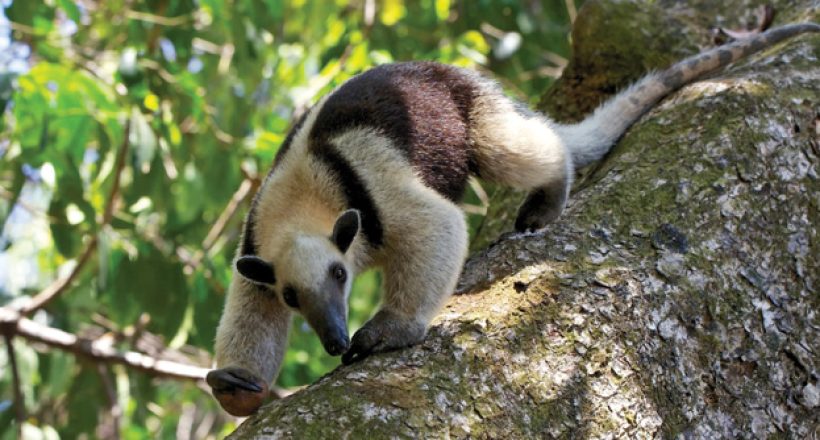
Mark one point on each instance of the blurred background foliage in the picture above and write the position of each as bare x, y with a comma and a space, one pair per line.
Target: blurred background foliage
132, 137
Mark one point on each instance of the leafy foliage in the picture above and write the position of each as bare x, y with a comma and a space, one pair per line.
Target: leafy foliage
205, 92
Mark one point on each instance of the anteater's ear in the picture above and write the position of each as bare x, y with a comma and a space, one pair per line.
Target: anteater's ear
345, 229
255, 269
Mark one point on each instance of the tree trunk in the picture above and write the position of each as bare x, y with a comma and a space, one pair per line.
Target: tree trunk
678, 293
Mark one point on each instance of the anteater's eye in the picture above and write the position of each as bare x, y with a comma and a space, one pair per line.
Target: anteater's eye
289, 295
339, 273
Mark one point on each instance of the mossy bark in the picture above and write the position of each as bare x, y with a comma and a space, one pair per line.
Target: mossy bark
677, 295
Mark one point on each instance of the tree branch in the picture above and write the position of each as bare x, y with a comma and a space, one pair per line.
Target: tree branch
219, 226
13, 322
109, 429
158, 19
19, 401
115, 186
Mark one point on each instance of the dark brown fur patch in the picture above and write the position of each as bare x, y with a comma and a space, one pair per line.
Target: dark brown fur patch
672, 79
756, 45
725, 56
693, 63
423, 107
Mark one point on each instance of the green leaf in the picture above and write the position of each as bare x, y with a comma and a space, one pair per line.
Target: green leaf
120, 295
66, 238
25, 12
143, 141
56, 369
6, 91
84, 399
442, 9
207, 310
18, 179
71, 10
148, 282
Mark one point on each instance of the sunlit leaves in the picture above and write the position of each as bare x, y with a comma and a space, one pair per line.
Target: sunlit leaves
57, 110
392, 11
442, 9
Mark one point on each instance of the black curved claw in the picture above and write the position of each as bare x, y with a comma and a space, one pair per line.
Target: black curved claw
360, 347
232, 378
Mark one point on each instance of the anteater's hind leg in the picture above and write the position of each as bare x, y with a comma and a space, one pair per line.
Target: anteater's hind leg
542, 206
519, 148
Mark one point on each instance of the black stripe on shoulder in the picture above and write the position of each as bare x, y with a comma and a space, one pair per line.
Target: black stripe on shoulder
248, 238
356, 194
248, 243
285, 147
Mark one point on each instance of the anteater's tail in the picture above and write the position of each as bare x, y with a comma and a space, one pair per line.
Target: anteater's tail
590, 139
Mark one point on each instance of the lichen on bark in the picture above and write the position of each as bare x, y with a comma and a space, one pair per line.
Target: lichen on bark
677, 295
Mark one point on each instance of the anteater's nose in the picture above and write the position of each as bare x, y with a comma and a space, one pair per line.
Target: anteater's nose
337, 343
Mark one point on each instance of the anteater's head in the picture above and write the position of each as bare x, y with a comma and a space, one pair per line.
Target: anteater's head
312, 276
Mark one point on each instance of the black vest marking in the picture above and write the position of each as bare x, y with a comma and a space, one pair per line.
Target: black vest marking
248, 238
423, 107
356, 194
248, 243
285, 147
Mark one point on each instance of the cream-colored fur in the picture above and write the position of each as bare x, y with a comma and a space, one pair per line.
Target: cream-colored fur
515, 147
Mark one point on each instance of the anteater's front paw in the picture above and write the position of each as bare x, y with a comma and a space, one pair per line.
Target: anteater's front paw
386, 331
538, 210
238, 390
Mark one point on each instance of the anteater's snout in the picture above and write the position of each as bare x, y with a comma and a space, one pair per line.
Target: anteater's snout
337, 342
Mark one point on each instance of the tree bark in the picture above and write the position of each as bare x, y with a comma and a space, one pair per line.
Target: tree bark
678, 293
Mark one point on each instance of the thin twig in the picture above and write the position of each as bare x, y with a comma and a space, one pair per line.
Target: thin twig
114, 409
28, 30
225, 57
185, 423
369, 12
229, 211
241, 193
158, 19
571, 10
221, 135
166, 76
59, 285
193, 262
205, 425
19, 402
122, 154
